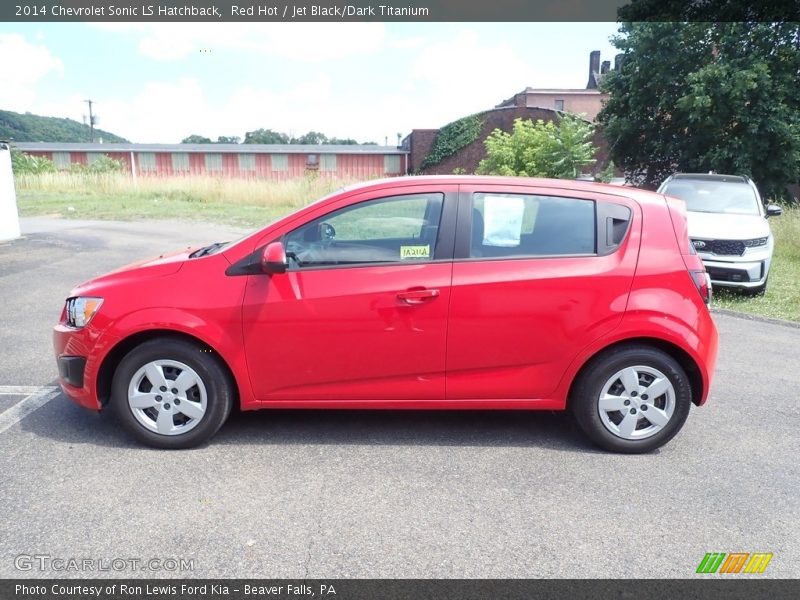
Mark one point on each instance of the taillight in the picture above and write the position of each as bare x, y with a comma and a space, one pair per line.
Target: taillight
703, 284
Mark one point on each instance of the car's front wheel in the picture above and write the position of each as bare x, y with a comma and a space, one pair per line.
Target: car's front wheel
170, 393
632, 399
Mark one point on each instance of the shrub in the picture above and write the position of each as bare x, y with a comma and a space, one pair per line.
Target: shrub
25, 164
538, 149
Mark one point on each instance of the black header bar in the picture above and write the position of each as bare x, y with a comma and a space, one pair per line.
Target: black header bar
396, 10
746, 587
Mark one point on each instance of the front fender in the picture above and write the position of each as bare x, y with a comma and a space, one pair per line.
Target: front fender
223, 334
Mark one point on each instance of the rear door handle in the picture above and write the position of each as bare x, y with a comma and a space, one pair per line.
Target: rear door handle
417, 296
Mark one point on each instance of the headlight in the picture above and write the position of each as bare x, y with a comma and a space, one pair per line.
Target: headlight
754, 243
81, 310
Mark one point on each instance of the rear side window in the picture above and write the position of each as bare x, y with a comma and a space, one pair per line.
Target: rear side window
397, 229
513, 225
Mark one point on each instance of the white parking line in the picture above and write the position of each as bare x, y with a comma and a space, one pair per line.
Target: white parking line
19, 390
41, 395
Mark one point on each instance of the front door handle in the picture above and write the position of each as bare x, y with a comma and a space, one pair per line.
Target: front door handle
417, 296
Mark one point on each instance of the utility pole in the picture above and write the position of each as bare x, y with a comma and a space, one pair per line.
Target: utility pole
91, 121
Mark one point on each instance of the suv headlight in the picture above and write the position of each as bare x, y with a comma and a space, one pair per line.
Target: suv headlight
754, 243
80, 310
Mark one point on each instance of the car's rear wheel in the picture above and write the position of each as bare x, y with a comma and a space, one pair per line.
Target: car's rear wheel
632, 399
170, 393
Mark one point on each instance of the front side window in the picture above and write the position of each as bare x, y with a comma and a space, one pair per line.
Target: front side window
400, 229
513, 225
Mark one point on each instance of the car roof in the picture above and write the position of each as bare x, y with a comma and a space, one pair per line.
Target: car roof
556, 184
710, 177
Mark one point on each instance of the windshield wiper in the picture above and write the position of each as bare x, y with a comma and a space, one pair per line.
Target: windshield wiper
207, 250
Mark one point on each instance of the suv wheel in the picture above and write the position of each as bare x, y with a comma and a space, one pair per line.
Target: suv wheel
171, 394
633, 399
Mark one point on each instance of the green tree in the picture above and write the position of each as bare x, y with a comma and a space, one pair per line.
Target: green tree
312, 137
709, 11
228, 139
538, 149
706, 96
265, 136
196, 139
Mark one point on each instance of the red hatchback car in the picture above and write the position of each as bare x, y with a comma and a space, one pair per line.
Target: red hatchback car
411, 293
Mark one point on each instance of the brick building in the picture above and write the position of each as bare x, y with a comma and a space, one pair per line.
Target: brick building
535, 104
268, 161
587, 101
420, 142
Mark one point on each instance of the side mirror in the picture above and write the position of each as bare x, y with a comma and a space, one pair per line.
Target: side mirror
273, 258
773, 210
326, 231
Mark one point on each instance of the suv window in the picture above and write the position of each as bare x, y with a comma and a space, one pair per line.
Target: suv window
516, 225
714, 196
396, 229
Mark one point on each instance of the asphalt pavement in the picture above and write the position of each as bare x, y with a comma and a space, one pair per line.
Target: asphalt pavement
319, 494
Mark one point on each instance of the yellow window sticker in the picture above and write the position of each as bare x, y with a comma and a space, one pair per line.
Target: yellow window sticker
415, 251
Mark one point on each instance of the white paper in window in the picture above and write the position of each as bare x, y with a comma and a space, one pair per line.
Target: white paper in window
502, 220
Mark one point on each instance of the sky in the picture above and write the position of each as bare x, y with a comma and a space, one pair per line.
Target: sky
160, 82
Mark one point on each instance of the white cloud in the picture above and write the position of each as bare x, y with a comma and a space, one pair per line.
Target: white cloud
310, 42
169, 111
24, 64
462, 75
442, 81
160, 112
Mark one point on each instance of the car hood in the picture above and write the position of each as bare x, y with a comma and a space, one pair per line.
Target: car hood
159, 266
721, 226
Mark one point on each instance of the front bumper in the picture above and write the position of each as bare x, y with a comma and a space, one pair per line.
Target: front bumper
71, 369
77, 372
737, 274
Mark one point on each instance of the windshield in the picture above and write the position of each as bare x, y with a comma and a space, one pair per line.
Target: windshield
715, 196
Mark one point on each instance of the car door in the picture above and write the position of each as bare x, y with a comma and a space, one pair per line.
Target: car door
538, 274
361, 313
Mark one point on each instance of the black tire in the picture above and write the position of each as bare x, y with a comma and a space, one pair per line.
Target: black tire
215, 386
585, 398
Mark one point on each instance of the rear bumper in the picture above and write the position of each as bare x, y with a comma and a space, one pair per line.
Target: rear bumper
77, 372
706, 351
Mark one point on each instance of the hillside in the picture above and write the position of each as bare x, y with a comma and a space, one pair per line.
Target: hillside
34, 128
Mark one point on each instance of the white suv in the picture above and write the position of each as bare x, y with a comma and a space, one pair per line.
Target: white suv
728, 227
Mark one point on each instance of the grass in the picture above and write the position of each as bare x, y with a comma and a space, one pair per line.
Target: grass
246, 202
782, 299
253, 203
